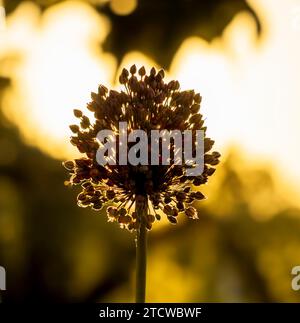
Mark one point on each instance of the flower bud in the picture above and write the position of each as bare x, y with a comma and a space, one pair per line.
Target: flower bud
77, 113
142, 71
133, 69
74, 128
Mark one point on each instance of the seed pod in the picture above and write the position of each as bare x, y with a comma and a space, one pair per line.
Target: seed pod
215, 162
142, 71
161, 73
187, 189
127, 219
180, 206
85, 203
199, 196
69, 164
175, 211
74, 128
216, 154
197, 181
112, 211
77, 113
195, 118
110, 194
81, 197
122, 219
133, 69
153, 71
130, 226
195, 108
172, 219
122, 79
85, 122
122, 211
197, 98
171, 85
150, 218
167, 199
191, 212
168, 210
125, 72
208, 143
94, 172
97, 206
210, 171
180, 196
159, 98
92, 106
208, 158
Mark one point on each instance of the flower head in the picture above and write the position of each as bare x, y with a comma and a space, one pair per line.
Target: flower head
146, 103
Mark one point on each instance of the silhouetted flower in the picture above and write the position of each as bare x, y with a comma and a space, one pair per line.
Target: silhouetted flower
146, 103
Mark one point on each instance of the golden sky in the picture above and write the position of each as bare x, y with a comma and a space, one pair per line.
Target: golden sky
250, 89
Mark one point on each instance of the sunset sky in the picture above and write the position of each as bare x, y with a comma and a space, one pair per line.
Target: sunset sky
250, 87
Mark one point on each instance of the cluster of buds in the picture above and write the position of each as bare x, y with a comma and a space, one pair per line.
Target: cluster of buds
146, 103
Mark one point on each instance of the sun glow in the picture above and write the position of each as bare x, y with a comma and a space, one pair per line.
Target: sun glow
250, 90
60, 68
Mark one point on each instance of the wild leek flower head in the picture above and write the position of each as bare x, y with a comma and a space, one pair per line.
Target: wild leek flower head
146, 103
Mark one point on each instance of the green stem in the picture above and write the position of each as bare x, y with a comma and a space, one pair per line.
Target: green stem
141, 252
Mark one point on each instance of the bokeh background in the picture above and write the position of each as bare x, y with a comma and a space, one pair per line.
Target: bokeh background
243, 57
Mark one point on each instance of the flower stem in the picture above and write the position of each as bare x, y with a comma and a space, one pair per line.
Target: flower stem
141, 252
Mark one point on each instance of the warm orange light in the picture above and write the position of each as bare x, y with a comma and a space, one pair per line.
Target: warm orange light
123, 7
250, 92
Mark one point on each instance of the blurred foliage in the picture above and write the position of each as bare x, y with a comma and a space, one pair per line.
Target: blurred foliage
55, 251
242, 248
11, 5
158, 28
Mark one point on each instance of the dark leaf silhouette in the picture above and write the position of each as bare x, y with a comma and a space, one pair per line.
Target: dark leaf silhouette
157, 28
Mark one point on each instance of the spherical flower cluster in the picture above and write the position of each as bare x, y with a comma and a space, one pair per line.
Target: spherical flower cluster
146, 103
